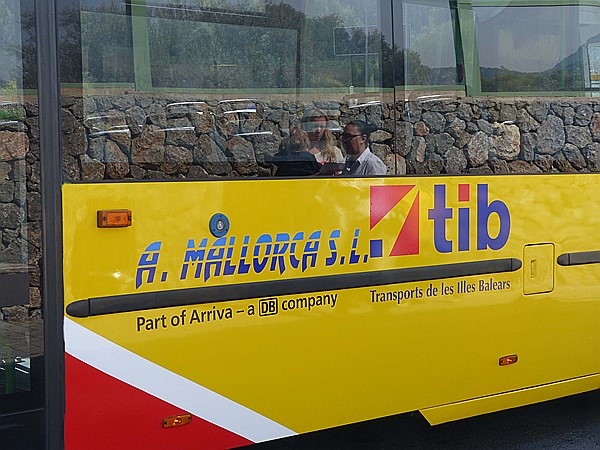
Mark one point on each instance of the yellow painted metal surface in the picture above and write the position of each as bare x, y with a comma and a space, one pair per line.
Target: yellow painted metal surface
499, 402
538, 268
358, 353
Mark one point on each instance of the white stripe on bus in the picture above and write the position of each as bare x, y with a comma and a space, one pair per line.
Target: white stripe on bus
149, 377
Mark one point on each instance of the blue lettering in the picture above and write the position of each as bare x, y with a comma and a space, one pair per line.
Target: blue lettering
215, 258
295, 262
229, 269
484, 211
282, 243
257, 264
354, 257
151, 271
148, 258
439, 214
330, 261
243, 267
464, 229
311, 248
193, 256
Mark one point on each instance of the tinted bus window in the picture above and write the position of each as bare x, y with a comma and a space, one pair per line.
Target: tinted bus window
96, 43
429, 50
536, 48
21, 325
197, 89
192, 49
10, 39
106, 43
202, 89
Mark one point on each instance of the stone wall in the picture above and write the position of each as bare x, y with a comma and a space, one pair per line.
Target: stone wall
20, 203
157, 137
143, 137
504, 136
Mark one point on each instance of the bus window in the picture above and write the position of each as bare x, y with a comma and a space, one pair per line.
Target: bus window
527, 49
21, 325
429, 58
593, 53
256, 67
428, 70
106, 45
234, 291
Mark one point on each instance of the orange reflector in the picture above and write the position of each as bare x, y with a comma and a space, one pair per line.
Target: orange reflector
114, 218
507, 360
176, 421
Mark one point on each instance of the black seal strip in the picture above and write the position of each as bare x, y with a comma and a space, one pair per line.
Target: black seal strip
578, 258
182, 297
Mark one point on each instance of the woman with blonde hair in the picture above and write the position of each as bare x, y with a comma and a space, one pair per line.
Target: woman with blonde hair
322, 144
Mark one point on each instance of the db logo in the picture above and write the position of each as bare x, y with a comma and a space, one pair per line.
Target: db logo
385, 198
268, 306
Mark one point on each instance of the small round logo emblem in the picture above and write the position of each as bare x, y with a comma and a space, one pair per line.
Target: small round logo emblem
219, 225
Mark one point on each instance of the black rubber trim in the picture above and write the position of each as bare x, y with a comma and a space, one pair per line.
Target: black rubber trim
578, 258
181, 297
51, 164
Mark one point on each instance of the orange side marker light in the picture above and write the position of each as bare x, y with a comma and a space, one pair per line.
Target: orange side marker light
114, 218
176, 421
508, 360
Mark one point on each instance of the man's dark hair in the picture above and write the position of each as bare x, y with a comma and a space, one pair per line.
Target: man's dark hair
363, 128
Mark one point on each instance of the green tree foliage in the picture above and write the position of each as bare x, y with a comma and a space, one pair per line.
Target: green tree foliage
403, 67
107, 48
280, 48
560, 78
8, 47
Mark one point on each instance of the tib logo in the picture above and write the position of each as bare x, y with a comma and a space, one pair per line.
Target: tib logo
461, 218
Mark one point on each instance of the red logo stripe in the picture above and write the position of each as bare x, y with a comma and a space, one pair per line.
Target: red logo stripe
384, 198
407, 242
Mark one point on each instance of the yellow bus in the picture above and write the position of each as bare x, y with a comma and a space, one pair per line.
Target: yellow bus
229, 222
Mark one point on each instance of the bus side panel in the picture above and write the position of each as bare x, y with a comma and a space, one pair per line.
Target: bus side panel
316, 303
115, 414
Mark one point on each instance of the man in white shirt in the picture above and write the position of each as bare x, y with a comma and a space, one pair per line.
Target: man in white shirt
360, 160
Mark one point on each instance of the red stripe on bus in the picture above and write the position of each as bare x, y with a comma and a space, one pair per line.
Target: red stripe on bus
106, 413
